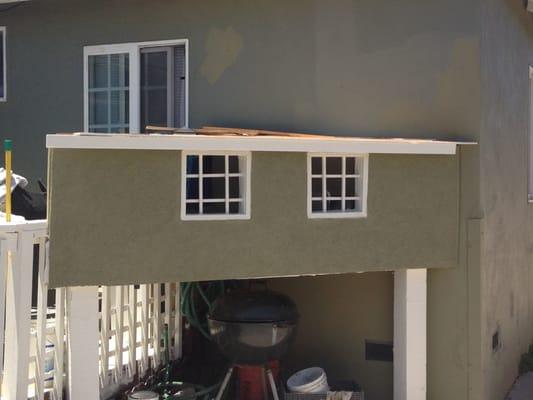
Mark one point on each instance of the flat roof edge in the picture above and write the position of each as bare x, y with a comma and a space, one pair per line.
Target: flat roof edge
328, 144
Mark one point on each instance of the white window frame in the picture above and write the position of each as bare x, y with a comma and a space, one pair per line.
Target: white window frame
134, 52
337, 214
247, 188
3, 30
530, 140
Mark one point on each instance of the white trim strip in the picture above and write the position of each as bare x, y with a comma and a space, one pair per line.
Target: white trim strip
238, 143
3, 59
410, 334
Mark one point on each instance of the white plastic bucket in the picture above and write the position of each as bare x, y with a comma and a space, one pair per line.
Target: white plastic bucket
309, 380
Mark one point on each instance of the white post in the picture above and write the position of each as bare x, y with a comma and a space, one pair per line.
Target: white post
119, 331
177, 322
42, 303
156, 324
4, 260
145, 322
59, 349
83, 335
104, 335
18, 322
132, 329
410, 334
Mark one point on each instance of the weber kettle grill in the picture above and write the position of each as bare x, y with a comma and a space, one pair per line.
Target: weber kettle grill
253, 327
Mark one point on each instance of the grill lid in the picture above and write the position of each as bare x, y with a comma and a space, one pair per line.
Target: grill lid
254, 306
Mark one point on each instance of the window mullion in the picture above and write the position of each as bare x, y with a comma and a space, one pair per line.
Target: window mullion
200, 184
324, 187
343, 184
109, 93
226, 182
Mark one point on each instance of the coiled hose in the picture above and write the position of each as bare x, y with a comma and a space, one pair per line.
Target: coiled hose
196, 301
196, 311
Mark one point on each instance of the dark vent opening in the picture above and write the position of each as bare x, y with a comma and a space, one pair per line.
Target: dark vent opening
378, 351
496, 340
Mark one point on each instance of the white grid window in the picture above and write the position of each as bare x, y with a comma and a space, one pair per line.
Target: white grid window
337, 185
215, 186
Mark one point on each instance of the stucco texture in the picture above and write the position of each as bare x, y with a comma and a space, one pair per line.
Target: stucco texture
507, 247
337, 315
114, 219
350, 67
365, 67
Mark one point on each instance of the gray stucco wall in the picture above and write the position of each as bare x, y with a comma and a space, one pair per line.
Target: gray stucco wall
506, 256
365, 67
115, 219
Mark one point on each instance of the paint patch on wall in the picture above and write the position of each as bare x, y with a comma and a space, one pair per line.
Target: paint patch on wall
222, 48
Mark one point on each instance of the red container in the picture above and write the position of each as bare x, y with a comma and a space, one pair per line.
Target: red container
253, 383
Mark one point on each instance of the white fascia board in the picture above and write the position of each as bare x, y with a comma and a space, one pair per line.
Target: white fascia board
258, 143
11, 1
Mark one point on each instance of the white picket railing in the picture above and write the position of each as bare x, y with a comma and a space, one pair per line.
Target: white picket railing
46, 345
143, 324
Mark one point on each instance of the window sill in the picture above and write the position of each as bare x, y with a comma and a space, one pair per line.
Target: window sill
216, 217
345, 215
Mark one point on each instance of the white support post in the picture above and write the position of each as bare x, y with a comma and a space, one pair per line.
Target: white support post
156, 324
18, 322
132, 329
410, 334
83, 335
105, 327
145, 321
59, 352
119, 332
42, 304
4, 260
177, 322
168, 305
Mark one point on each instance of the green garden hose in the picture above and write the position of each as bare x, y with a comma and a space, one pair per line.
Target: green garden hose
196, 301
194, 311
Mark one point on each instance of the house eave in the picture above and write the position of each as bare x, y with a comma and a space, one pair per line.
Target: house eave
325, 144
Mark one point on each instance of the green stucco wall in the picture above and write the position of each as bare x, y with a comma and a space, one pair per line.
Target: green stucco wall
337, 315
114, 219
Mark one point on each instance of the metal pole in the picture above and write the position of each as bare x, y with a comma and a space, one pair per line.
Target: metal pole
224, 384
272, 384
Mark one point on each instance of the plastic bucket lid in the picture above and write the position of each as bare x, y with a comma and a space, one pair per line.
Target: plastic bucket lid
309, 380
143, 395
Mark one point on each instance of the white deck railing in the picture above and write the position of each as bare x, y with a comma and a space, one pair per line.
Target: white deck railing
49, 345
